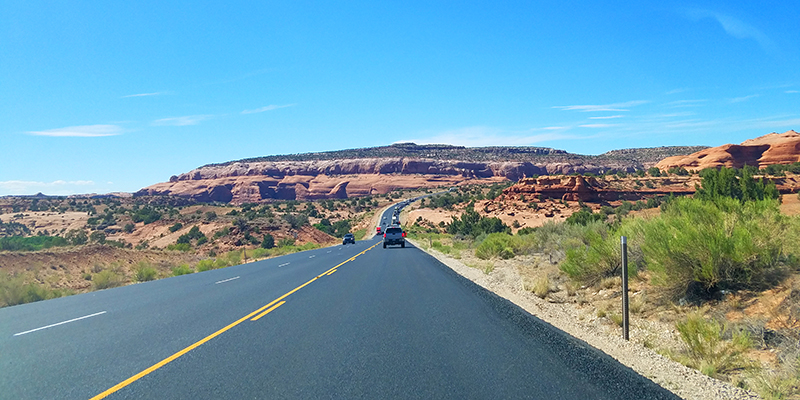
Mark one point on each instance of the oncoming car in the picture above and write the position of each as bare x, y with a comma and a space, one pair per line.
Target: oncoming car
348, 238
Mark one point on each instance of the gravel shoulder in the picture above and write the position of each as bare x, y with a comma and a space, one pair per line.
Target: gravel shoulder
685, 382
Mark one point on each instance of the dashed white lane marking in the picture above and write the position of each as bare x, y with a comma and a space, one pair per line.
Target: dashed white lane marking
311, 256
329, 251
60, 323
283, 265
227, 280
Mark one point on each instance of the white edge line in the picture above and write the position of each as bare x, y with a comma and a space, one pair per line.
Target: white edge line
226, 280
60, 323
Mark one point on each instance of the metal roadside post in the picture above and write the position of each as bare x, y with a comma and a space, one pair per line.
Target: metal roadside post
625, 324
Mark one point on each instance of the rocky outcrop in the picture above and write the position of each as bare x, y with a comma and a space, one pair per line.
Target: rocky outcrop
591, 189
774, 148
242, 182
346, 173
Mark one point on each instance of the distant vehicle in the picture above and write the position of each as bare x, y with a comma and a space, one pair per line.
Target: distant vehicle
395, 220
394, 235
348, 238
378, 230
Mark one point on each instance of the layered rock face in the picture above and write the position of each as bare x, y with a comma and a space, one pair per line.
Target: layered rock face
590, 189
243, 182
774, 148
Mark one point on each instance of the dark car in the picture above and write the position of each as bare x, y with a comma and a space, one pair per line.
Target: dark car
394, 235
348, 238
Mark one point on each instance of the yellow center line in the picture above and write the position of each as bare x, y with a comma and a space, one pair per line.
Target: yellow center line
267, 312
173, 357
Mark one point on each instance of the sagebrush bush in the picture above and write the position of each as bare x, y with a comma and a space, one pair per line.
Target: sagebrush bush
496, 245
14, 290
144, 272
205, 265
702, 246
598, 257
706, 349
182, 269
107, 279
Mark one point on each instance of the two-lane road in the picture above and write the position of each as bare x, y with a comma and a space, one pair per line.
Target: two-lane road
355, 321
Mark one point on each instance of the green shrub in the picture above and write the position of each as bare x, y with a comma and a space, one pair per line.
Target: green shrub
205, 265
176, 227
33, 243
268, 242
180, 247
598, 256
699, 247
107, 279
13, 291
286, 242
496, 245
144, 272
707, 351
182, 269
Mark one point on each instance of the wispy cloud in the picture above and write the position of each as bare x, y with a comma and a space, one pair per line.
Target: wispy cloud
686, 103
607, 117
181, 121
80, 131
792, 91
597, 125
678, 90
56, 187
143, 94
735, 27
616, 107
267, 108
743, 98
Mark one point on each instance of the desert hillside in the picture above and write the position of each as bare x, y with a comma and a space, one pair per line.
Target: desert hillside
361, 172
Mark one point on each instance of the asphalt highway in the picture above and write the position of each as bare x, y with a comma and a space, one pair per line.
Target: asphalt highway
354, 321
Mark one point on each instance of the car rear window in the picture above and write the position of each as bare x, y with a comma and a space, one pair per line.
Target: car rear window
394, 230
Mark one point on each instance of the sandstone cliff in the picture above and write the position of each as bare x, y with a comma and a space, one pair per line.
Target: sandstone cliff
322, 175
774, 148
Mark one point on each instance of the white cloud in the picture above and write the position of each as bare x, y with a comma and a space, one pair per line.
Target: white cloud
58, 187
143, 95
607, 117
80, 131
792, 91
743, 98
686, 103
267, 108
181, 121
679, 90
603, 107
736, 28
597, 125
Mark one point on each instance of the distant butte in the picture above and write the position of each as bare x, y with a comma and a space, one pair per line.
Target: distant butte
379, 170
774, 148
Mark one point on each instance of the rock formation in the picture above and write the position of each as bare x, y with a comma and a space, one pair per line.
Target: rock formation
323, 176
591, 189
774, 148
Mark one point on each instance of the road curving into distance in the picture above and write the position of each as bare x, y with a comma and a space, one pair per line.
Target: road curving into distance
353, 321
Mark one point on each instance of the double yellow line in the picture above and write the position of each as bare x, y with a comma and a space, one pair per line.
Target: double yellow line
253, 316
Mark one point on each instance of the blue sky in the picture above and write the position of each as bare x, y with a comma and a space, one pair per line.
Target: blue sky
114, 96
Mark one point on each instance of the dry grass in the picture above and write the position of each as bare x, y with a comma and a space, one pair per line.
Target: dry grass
610, 283
541, 286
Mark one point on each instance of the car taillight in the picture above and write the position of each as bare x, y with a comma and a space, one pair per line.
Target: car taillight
404, 234
384, 236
